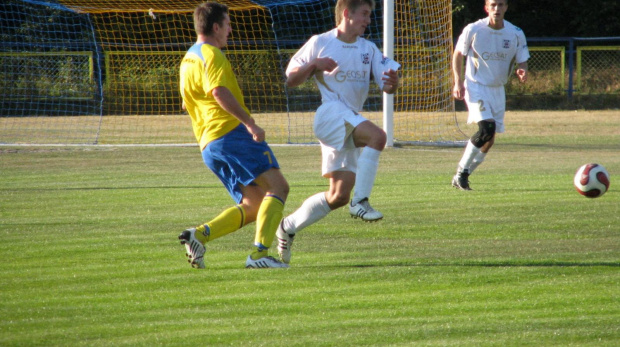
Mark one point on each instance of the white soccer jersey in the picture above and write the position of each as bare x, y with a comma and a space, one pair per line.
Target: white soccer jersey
491, 54
357, 63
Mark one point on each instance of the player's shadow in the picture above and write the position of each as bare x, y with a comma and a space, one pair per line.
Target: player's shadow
576, 147
490, 264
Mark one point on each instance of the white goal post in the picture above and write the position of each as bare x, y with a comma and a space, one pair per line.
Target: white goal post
388, 51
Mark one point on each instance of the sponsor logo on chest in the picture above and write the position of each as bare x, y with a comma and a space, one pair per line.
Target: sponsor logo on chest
494, 56
351, 76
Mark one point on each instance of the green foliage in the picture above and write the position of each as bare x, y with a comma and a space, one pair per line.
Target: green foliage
88, 236
570, 18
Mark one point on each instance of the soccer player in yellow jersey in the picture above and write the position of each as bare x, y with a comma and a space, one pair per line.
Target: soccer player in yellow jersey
233, 146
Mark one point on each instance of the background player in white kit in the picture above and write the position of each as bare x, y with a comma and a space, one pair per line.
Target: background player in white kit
342, 64
492, 46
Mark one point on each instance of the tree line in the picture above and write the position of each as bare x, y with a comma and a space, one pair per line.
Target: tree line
548, 18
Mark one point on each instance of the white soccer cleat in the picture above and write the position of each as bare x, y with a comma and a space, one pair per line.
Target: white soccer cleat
285, 242
364, 211
263, 263
194, 250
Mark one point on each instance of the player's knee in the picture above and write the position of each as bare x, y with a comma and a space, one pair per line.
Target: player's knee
369, 135
377, 140
485, 133
276, 184
380, 140
487, 146
283, 190
338, 199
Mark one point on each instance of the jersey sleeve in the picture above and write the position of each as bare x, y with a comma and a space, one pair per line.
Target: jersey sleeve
381, 64
464, 42
523, 53
304, 55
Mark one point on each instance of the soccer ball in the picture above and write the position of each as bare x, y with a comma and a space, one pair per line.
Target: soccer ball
591, 180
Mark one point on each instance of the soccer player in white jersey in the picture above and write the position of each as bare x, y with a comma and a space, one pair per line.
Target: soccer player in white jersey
492, 46
342, 64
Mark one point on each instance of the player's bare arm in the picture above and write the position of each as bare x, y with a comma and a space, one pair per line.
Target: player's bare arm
522, 72
299, 75
390, 81
225, 98
459, 79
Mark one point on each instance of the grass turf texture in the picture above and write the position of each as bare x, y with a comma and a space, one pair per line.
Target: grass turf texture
88, 238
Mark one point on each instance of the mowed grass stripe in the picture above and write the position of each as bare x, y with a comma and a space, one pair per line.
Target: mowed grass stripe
88, 236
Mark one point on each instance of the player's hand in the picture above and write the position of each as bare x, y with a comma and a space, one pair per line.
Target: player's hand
258, 134
325, 64
522, 74
458, 91
390, 81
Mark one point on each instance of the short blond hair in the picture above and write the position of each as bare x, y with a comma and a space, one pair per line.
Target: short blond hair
352, 6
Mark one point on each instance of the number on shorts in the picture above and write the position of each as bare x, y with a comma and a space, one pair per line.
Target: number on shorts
481, 106
268, 156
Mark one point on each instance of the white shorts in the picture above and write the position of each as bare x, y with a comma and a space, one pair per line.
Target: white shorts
333, 126
485, 103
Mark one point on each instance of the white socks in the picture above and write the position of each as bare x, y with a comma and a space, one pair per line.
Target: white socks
471, 152
316, 208
310, 212
478, 159
367, 166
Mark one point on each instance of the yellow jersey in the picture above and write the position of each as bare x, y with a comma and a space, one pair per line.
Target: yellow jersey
204, 68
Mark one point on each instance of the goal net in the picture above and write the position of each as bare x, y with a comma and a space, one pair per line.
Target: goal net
106, 72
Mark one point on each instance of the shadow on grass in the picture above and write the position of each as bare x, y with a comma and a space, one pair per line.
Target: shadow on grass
218, 187
567, 147
491, 264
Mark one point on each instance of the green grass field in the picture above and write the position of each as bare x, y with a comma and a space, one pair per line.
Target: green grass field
88, 237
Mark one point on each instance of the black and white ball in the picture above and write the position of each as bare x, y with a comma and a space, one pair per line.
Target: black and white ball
592, 180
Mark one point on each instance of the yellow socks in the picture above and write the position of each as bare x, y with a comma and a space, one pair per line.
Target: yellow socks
259, 253
225, 223
267, 220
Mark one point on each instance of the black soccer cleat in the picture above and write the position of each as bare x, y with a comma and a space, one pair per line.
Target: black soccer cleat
461, 180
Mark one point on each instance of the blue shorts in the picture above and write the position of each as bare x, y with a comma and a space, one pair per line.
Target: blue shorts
237, 160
